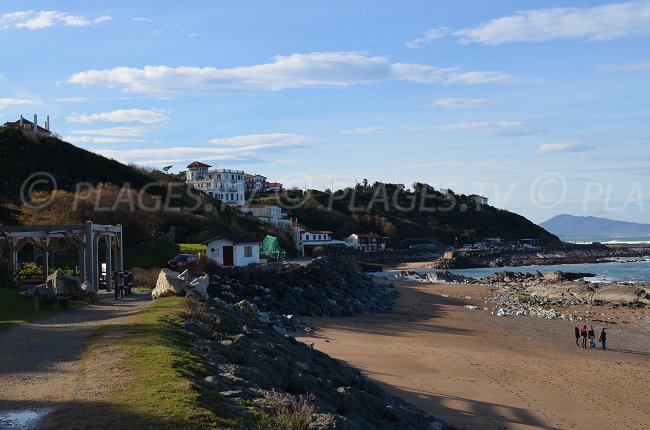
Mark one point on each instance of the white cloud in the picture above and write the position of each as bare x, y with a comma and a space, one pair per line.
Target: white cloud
428, 36
112, 131
234, 147
598, 23
6, 102
121, 115
100, 139
480, 125
314, 70
194, 34
462, 103
36, 20
270, 139
141, 19
363, 130
632, 67
570, 146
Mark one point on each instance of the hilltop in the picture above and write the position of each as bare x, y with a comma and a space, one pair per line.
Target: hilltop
572, 227
92, 187
407, 217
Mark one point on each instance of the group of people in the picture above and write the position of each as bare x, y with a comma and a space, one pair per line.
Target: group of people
591, 336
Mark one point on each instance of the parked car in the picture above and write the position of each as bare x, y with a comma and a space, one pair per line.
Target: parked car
182, 262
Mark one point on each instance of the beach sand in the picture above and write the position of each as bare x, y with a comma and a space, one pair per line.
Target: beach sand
479, 371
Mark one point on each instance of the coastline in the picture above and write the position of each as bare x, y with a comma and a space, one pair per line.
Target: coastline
476, 370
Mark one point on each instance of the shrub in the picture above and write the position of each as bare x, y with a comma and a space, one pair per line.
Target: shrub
284, 412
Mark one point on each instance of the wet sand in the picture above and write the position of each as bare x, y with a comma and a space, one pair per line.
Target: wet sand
479, 371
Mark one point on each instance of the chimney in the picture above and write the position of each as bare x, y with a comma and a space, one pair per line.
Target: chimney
21, 121
47, 123
35, 123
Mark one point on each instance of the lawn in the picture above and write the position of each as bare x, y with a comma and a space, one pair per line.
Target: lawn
17, 309
165, 378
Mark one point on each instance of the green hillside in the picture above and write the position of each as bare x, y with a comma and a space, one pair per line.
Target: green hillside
145, 202
408, 217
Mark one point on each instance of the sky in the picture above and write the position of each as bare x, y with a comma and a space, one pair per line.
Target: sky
543, 107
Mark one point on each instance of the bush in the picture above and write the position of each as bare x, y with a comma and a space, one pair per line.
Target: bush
284, 412
145, 278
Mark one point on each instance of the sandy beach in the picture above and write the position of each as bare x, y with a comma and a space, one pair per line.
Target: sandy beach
479, 371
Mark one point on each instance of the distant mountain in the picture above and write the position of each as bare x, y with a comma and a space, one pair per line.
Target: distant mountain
570, 227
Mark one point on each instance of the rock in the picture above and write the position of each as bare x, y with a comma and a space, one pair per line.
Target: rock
246, 308
263, 317
200, 286
167, 285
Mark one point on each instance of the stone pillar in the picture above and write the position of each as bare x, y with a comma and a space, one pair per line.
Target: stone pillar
109, 263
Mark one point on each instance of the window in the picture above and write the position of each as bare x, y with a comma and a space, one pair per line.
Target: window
306, 237
248, 251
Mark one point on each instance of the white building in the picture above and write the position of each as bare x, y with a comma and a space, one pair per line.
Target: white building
232, 251
310, 239
269, 214
255, 183
366, 242
223, 184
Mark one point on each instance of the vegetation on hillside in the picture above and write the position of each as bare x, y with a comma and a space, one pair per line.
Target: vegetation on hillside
406, 216
145, 202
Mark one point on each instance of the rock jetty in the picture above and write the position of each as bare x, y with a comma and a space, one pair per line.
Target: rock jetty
243, 329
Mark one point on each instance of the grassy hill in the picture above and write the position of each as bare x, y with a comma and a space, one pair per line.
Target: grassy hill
145, 202
407, 217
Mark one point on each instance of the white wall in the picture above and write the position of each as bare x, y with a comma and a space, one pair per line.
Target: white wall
239, 254
214, 252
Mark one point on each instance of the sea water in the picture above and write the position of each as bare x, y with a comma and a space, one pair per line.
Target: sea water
620, 270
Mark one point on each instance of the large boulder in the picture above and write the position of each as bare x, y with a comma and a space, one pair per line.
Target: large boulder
168, 285
200, 286
64, 284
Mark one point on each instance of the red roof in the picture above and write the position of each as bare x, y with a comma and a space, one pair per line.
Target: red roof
198, 164
273, 184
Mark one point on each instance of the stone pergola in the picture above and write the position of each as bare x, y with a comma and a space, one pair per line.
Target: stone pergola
83, 237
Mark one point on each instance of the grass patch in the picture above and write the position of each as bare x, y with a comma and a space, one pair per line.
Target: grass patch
17, 309
164, 378
192, 248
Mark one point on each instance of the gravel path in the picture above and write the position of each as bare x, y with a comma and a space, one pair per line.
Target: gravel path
39, 362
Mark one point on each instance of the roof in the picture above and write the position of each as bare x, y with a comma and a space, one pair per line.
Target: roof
16, 124
235, 239
249, 176
198, 164
319, 231
273, 184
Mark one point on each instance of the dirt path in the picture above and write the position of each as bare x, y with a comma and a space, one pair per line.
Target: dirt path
39, 362
476, 370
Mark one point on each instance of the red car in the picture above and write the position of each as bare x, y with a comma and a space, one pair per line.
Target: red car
182, 262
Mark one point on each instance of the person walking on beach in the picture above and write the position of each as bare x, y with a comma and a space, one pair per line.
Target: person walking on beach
583, 333
603, 338
592, 337
577, 335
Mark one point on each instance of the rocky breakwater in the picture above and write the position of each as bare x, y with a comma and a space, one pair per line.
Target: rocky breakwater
550, 294
241, 325
518, 256
327, 286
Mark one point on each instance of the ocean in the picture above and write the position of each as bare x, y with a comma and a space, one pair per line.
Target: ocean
621, 270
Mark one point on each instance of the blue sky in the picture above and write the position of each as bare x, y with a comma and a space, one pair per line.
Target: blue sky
544, 108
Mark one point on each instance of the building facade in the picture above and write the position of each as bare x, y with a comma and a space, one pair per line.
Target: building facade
255, 183
269, 214
223, 184
369, 242
27, 125
232, 251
